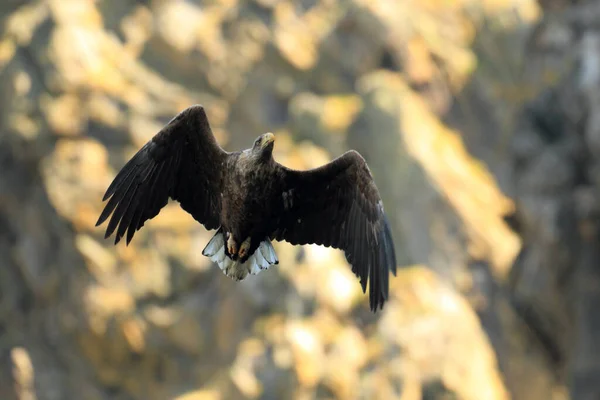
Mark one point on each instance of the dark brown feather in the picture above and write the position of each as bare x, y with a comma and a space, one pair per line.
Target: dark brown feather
338, 205
181, 162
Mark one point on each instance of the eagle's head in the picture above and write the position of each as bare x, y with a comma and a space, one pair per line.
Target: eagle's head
263, 145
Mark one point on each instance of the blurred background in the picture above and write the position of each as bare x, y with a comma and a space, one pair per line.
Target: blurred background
479, 120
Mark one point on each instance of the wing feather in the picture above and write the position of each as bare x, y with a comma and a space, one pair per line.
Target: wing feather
338, 205
182, 162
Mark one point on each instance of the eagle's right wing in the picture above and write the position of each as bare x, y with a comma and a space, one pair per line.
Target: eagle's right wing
183, 161
338, 205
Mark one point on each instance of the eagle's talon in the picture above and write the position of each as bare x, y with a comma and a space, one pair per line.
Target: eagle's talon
232, 248
244, 249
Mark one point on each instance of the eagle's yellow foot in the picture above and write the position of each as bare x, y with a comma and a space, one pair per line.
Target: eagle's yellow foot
244, 248
232, 247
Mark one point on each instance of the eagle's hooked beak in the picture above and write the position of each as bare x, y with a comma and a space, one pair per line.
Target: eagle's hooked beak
268, 138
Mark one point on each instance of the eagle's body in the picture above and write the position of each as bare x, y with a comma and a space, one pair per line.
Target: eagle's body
244, 208
243, 203
251, 199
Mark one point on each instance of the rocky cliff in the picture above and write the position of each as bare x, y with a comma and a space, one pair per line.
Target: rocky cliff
476, 117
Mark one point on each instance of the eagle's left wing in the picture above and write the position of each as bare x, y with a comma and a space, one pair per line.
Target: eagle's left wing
338, 205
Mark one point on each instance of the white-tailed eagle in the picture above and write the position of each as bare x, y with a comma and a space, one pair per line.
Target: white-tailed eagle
251, 199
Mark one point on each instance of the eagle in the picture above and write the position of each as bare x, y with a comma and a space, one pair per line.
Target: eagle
250, 199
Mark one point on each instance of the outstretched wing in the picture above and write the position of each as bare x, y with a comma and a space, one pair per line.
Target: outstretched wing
338, 205
183, 162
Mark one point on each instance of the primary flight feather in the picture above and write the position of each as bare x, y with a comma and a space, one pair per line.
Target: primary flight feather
251, 199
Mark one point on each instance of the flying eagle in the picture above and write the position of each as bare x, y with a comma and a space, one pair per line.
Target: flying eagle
251, 199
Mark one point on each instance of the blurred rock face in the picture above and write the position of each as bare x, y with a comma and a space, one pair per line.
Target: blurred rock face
426, 100
554, 281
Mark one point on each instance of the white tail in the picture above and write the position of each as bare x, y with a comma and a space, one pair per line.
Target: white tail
262, 259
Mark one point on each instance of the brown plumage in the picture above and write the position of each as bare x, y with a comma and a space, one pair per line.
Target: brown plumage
251, 199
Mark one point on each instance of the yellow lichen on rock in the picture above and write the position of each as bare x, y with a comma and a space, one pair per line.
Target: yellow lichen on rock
340, 111
23, 373
202, 394
298, 36
76, 174
307, 349
441, 335
464, 181
64, 114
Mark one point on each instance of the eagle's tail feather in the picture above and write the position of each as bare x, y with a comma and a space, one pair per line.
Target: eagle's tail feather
214, 245
268, 252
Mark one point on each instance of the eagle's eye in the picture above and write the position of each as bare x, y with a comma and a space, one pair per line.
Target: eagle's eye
257, 141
